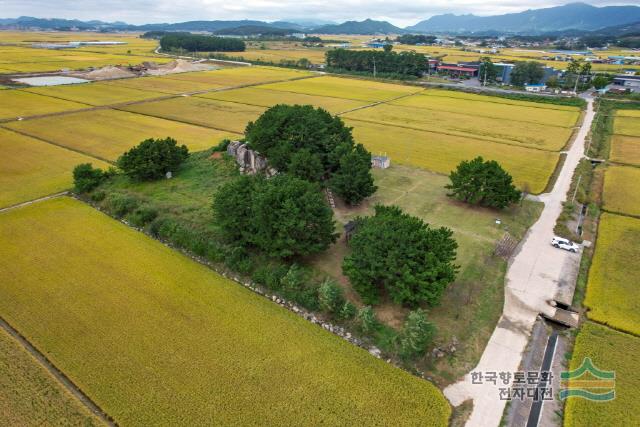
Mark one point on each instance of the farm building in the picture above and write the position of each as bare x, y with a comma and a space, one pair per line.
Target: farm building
457, 71
627, 82
380, 162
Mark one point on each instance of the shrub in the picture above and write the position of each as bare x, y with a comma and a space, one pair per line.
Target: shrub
367, 321
86, 177
222, 146
120, 204
416, 335
347, 311
142, 216
330, 296
152, 159
297, 286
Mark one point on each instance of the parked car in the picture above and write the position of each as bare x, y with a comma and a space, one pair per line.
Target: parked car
562, 243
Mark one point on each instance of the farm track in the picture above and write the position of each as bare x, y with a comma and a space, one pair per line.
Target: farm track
537, 274
29, 202
61, 378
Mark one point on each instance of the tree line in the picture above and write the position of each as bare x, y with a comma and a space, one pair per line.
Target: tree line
198, 43
370, 61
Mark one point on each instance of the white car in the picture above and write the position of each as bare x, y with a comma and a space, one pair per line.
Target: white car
562, 243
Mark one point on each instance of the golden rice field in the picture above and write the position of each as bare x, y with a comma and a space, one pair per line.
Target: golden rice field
96, 93
612, 290
526, 134
315, 55
493, 107
349, 88
163, 85
625, 149
239, 76
106, 134
153, 337
32, 169
266, 98
622, 190
442, 153
627, 122
609, 350
228, 116
74, 62
17, 103
30, 396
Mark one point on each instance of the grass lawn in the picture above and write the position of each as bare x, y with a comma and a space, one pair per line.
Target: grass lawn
107, 134
29, 395
154, 337
622, 190
33, 169
472, 305
609, 350
18, 103
612, 289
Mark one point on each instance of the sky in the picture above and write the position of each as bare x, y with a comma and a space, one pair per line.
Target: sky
399, 12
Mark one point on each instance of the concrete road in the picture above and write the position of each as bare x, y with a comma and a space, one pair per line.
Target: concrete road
537, 273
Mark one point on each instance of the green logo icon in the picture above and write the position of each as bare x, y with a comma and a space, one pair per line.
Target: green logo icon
588, 382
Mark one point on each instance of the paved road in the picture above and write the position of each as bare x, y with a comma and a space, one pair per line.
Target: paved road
537, 274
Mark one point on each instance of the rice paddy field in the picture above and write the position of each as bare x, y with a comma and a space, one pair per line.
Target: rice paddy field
106, 134
29, 395
163, 85
625, 149
239, 76
96, 93
622, 190
349, 88
17, 103
136, 324
32, 169
609, 350
441, 153
227, 116
612, 295
627, 122
260, 96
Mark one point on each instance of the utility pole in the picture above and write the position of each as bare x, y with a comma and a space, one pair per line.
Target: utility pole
576, 190
374, 66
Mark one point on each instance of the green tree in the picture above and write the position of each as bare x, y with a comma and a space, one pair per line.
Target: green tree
86, 177
527, 72
282, 130
387, 47
152, 159
398, 254
482, 183
353, 180
304, 164
417, 333
600, 81
232, 208
488, 72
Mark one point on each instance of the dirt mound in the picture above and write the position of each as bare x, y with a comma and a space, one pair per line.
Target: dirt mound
178, 66
108, 72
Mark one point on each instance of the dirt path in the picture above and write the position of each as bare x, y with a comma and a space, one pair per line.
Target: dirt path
40, 199
58, 375
537, 273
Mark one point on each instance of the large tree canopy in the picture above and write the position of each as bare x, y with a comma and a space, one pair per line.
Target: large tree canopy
283, 216
398, 254
527, 72
482, 183
312, 144
152, 159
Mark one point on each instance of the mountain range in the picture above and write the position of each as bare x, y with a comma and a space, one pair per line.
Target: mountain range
577, 17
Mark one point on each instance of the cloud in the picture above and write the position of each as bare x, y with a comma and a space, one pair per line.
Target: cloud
398, 12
